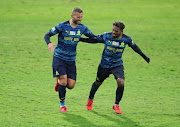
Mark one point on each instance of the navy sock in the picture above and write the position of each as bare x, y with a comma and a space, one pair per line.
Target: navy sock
119, 94
62, 92
94, 88
67, 86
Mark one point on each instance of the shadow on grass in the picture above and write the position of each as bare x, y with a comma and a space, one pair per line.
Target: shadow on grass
120, 120
78, 120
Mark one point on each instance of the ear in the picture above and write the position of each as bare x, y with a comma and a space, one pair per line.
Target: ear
71, 15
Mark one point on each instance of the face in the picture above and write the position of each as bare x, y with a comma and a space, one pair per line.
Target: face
77, 18
116, 32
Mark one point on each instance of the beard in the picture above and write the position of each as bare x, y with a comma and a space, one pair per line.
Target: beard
76, 22
115, 36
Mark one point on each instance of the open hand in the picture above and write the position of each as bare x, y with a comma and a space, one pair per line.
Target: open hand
51, 47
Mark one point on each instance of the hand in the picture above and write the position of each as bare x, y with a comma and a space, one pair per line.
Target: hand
51, 48
147, 59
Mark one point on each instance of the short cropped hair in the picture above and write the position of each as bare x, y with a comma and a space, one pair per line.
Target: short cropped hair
119, 24
77, 9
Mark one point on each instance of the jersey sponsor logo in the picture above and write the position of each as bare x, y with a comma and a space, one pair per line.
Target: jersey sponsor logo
71, 39
76, 39
114, 49
72, 32
115, 43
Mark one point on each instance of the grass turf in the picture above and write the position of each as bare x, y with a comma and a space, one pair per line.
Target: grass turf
151, 96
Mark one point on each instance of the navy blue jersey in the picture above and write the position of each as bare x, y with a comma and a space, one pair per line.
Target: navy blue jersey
68, 39
113, 49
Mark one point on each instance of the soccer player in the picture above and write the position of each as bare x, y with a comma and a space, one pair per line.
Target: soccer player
111, 62
64, 68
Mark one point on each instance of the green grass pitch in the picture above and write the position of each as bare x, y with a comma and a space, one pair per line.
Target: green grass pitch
151, 96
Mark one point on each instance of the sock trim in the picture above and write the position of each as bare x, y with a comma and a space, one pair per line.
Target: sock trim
62, 104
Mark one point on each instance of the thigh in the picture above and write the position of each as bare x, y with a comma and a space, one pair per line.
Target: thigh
102, 74
71, 70
59, 67
118, 72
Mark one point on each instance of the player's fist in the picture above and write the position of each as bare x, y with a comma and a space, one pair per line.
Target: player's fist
51, 47
147, 59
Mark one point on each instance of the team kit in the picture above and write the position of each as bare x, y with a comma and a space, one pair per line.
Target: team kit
64, 65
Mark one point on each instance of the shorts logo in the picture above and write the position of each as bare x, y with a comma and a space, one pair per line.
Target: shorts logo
57, 73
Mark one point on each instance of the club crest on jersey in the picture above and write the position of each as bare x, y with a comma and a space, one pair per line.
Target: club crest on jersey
72, 32
122, 44
78, 32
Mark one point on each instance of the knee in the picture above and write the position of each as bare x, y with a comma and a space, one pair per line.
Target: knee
120, 82
71, 83
70, 86
63, 82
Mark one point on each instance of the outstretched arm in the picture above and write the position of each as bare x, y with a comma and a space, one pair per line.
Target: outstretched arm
138, 50
92, 40
47, 39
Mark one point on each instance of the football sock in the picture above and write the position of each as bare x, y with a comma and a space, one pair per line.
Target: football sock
62, 92
119, 94
62, 104
94, 88
67, 86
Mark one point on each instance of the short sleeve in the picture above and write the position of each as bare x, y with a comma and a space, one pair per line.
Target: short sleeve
88, 33
130, 42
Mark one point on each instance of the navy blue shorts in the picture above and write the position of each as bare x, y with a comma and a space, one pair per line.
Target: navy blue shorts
103, 73
63, 67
